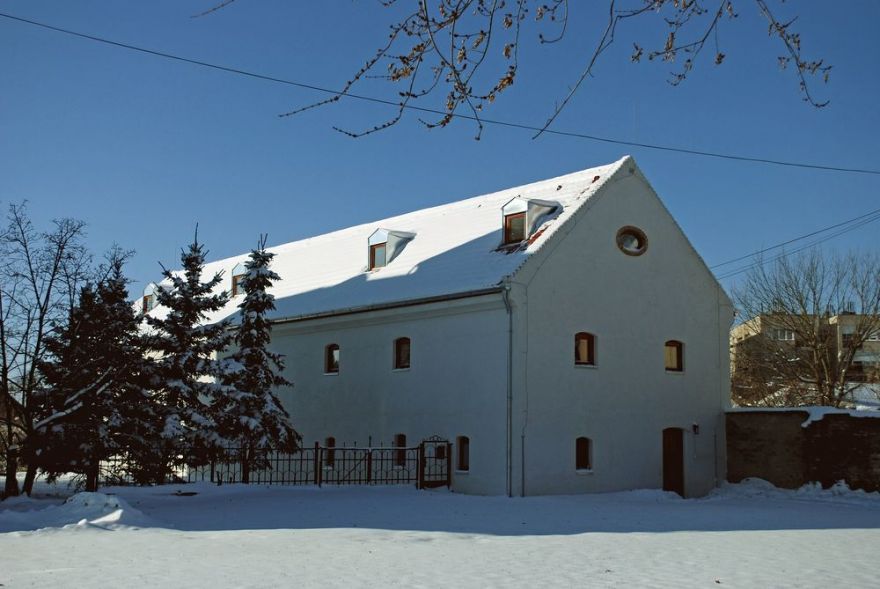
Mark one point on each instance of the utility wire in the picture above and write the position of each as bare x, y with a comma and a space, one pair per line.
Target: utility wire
784, 254
510, 124
795, 239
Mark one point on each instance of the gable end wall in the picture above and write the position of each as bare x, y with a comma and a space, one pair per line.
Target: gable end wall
580, 281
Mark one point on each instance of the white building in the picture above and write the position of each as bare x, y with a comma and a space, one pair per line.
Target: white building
564, 335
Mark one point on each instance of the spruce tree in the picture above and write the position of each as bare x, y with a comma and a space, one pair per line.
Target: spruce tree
188, 374
93, 403
252, 417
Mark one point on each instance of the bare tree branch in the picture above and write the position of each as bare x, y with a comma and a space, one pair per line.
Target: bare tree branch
469, 49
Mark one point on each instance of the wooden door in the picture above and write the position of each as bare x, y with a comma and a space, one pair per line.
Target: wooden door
673, 460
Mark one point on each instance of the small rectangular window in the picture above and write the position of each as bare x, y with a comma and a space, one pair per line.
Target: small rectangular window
377, 255
148, 303
785, 335
514, 228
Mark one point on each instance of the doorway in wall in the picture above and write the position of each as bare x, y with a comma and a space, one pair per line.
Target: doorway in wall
673, 460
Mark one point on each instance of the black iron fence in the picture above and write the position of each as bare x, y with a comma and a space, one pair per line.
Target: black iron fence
426, 465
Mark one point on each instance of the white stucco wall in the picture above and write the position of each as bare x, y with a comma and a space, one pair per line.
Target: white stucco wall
456, 385
583, 282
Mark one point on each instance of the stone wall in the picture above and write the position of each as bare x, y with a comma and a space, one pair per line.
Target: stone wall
775, 445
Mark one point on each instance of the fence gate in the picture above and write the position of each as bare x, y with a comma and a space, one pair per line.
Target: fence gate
435, 462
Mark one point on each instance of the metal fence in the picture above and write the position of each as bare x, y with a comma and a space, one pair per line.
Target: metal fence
425, 465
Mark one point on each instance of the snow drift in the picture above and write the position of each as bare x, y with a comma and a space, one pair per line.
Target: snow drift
83, 510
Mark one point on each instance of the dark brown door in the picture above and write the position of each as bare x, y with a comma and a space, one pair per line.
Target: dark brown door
673, 460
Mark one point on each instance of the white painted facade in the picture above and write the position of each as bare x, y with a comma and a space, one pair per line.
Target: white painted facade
492, 334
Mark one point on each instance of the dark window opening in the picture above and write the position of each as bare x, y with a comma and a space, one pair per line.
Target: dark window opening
400, 452
514, 227
674, 356
585, 349
148, 303
330, 455
583, 454
331, 359
464, 453
401, 352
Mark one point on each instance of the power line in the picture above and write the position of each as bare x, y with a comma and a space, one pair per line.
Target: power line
795, 239
501, 123
784, 254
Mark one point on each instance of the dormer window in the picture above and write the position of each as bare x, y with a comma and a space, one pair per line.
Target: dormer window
377, 255
148, 302
522, 217
385, 245
514, 227
238, 273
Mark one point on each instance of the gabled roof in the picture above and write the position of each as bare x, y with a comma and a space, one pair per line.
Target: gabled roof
455, 251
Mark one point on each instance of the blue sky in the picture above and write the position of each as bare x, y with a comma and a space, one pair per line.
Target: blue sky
142, 148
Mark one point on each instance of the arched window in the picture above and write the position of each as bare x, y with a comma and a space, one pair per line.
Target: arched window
463, 443
583, 454
330, 455
331, 359
674, 355
585, 349
238, 273
400, 452
401, 353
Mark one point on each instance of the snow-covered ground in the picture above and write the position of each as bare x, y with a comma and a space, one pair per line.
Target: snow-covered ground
747, 535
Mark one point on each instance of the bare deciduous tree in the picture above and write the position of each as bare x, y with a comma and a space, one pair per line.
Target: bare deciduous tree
40, 274
468, 50
811, 333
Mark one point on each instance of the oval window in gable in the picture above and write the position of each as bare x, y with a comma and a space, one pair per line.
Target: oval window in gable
632, 241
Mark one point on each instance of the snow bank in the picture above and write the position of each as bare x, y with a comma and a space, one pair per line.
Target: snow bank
745, 535
757, 489
83, 510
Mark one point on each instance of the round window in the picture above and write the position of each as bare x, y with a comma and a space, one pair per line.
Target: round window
632, 241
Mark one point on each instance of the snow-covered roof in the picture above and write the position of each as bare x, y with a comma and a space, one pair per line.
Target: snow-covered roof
455, 250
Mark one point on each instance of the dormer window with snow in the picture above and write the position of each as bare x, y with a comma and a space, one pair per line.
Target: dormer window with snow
238, 273
514, 227
385, 245
377, 255
522, 216
148, 303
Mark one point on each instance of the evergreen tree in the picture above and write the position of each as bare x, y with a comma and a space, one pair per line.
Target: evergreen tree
93, 403
252, 417
188, 375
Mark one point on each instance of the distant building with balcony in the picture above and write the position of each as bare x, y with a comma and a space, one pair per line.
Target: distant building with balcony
773, 339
